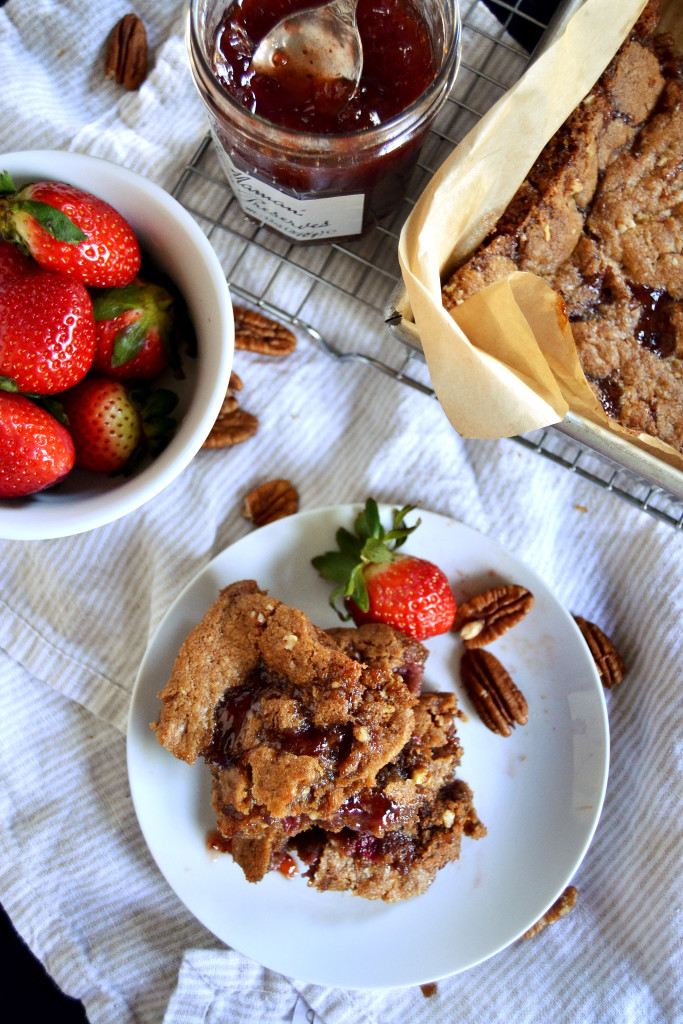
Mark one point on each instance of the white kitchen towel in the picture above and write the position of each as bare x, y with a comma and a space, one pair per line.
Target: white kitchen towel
77, 614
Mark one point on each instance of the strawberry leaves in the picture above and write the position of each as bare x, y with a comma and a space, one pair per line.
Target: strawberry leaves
154, 307
155, 406
70, 231
8, 383
370, 545
52, 220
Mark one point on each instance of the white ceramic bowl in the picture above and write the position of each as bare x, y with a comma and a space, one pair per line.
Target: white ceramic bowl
170, 236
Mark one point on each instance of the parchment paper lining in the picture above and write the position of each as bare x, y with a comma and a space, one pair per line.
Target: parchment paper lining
504, 361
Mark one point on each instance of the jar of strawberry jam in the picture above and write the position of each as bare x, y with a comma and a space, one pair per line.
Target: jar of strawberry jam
312, 173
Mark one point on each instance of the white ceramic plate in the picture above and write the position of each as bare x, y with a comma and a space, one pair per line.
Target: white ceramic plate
539, 792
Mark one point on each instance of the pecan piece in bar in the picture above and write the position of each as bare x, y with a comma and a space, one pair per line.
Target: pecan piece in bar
496, 698
272, 500
488, 615
608, 661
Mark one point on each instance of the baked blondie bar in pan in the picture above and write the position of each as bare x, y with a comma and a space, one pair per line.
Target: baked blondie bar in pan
553, 293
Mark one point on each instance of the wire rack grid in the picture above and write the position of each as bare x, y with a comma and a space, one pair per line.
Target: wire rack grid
337, 293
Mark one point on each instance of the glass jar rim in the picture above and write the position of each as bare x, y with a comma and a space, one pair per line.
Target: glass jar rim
292, 138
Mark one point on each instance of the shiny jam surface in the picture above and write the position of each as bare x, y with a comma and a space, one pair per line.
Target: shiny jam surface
398, 65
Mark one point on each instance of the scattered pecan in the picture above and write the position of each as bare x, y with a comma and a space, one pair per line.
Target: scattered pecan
429, 989
562, 905
235, 382
488, 615
498, 702
605, 655
230, 428
126, 56
256, 333
270, 501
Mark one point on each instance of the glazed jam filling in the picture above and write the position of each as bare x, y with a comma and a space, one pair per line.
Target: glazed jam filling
595, 292
655, 330
397, 847
609, 389
229, 718
218, 843
368, 812
332, 744
285, 864
398, 65
412, 674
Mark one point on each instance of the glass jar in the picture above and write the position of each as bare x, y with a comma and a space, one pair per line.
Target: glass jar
316, 187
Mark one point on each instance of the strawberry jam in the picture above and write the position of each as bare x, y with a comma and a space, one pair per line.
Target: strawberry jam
299, 160
387, 86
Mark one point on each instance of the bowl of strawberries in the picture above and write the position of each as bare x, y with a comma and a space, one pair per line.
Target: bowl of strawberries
116, 342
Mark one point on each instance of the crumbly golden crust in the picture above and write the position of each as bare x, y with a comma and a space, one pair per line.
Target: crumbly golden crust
243, 629
273, 792
325, 734
600, 218
408, 826
290, 724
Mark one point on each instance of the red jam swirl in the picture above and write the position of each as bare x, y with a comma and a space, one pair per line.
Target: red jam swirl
398, 65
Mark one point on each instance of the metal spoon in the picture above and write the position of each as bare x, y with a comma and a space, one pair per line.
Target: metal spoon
315, 53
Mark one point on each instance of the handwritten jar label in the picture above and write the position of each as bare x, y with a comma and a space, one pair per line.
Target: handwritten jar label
303, 220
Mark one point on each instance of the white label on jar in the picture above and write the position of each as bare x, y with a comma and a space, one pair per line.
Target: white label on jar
300, 219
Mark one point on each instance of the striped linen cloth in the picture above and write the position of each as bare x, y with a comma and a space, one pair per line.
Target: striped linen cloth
76, 616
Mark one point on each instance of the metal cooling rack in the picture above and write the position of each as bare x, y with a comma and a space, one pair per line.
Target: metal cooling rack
304, 285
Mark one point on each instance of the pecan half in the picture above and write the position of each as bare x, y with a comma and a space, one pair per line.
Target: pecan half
270, 501
488, 615
498, 702
562, 905
126, 55
230, 428
609, 662
256, 333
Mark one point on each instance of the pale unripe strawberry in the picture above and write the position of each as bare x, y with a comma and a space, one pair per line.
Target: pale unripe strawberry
105, 425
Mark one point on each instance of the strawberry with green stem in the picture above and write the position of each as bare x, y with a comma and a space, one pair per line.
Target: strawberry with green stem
36, 451
69, 231
379, 584
134, 329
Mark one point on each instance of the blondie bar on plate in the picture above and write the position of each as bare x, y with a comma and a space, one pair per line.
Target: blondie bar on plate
319, 733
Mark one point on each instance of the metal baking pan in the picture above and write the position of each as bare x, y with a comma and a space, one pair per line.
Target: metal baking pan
606, 443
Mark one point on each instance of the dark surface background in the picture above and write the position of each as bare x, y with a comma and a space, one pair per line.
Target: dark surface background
24, 975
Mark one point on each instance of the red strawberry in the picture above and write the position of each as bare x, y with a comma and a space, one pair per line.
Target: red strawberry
35, 449
47, 330
133, 328
103, 422
12, 261
70, 231
114, 426
379, 585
